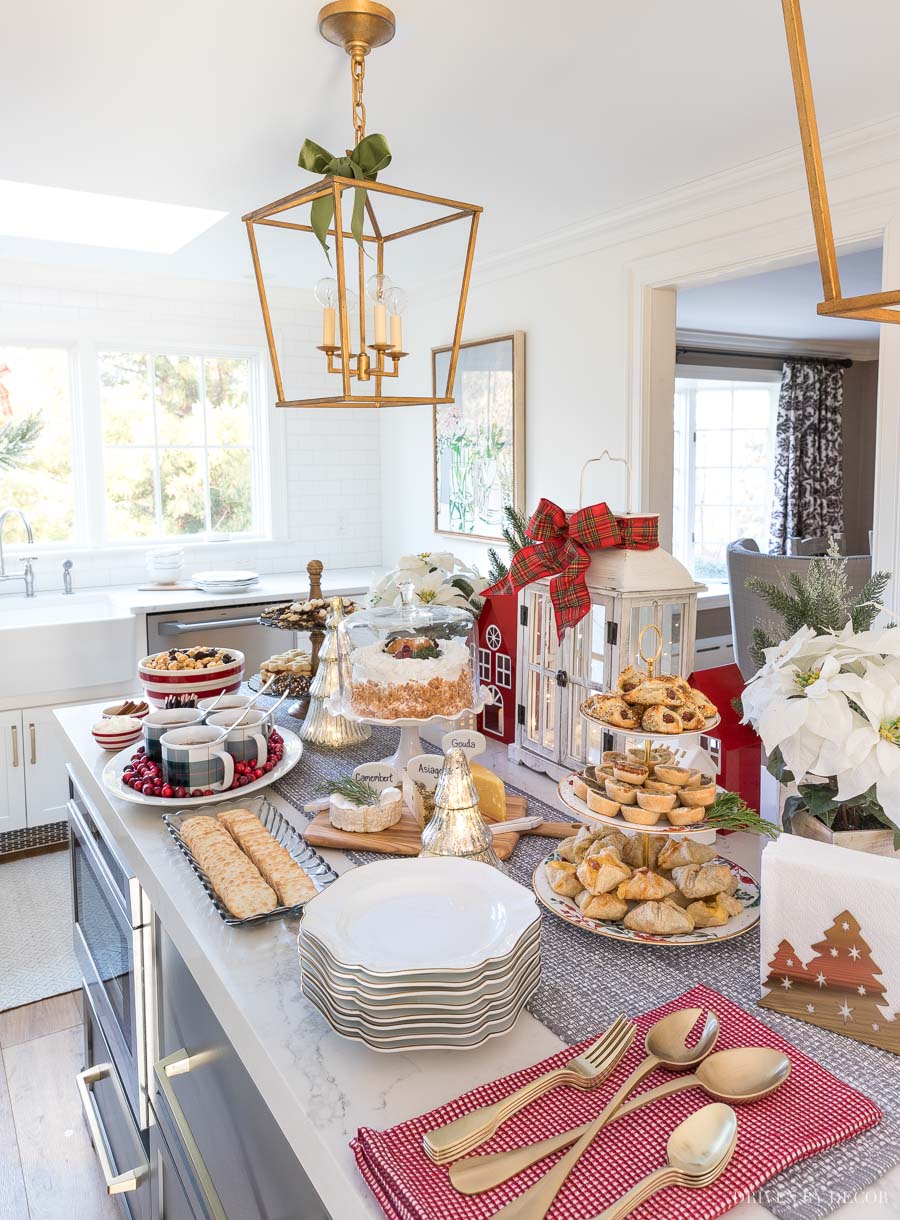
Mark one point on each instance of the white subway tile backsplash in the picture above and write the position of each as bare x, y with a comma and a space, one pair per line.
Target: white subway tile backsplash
332, 456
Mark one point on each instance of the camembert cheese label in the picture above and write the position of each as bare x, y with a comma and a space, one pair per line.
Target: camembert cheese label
380, 775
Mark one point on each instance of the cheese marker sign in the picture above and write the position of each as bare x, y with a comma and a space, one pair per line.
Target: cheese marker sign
425, 769
379, 774
470, 741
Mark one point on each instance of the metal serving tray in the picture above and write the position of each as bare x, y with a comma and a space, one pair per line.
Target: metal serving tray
318, 870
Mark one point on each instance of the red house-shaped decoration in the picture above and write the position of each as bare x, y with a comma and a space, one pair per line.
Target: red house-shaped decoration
498, 626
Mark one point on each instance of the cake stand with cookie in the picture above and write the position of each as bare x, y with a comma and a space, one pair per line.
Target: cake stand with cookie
404, 666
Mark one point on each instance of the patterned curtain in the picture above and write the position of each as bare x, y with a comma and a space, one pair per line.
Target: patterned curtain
808, 453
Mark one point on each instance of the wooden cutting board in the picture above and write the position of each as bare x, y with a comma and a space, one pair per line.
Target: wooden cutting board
405, 839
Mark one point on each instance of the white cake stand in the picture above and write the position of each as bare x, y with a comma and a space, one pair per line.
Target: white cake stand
410, 744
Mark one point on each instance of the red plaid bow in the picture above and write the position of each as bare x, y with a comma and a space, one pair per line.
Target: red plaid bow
562, 552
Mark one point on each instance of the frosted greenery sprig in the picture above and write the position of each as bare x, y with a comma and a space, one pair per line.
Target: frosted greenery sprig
359, 791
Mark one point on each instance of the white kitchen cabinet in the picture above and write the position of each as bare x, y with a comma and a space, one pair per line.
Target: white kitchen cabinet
46, 784
33, 783
12, 773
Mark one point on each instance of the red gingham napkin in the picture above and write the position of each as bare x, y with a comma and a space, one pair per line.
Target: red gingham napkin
811, 1111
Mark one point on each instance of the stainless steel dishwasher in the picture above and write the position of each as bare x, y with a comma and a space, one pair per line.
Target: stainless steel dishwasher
226, 625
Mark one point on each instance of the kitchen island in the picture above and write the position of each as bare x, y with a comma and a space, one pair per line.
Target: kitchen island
319, 1088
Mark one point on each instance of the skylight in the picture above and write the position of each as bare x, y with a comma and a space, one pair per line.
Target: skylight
50, 213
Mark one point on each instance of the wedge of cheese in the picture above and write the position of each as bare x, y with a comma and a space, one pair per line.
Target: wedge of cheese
491, 793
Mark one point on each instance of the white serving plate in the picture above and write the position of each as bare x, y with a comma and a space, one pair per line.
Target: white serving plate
420, 916
431, 1041
413, 1002
226, 576
112, 779
567, 909
662, 827
389, 1020
461, 988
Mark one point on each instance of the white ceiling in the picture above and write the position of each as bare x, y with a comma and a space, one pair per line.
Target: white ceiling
545, 116
782, 304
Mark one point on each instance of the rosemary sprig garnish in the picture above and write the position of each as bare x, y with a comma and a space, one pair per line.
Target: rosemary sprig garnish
359, 791
729, 812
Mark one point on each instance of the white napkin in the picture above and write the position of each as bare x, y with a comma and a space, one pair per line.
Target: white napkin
806, 886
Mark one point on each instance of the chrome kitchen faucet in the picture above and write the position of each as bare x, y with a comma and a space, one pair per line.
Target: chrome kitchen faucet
28, 574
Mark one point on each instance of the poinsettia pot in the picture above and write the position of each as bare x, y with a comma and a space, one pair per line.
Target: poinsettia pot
797, 820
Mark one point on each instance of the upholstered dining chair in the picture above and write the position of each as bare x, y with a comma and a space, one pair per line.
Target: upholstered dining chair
748, 609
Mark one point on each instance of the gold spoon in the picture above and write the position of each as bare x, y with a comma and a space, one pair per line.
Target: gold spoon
698, 1152
737, 1076
665, 1043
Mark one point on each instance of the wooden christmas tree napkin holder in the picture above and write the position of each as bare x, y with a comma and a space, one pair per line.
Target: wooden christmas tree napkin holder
829, 951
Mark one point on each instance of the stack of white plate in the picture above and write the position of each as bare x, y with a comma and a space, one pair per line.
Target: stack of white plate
434, 954
164, 564
225, 581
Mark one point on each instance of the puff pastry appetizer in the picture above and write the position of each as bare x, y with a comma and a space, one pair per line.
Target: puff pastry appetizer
644, 885
659, 919
603, 872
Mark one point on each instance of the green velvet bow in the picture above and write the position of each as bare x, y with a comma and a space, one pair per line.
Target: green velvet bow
371, 155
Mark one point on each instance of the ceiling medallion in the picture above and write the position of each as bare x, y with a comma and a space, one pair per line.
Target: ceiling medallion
876, 306
362, 329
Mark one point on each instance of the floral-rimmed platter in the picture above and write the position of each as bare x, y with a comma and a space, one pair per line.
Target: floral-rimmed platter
568, 910
113, 782
566, 794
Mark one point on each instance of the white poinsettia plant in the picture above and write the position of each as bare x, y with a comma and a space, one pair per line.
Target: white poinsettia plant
829, 706
437, 577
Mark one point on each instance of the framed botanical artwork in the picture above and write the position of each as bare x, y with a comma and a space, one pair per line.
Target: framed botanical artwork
479, 438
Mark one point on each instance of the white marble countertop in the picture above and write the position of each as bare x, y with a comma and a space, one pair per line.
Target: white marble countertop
114, 601
320, 1087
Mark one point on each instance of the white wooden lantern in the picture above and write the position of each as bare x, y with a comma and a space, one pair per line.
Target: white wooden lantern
629, 589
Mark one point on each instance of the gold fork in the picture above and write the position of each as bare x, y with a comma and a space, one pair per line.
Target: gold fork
586, 1071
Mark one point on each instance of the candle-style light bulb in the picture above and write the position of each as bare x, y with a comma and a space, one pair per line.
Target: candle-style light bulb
326, 293
376, 288
395, 303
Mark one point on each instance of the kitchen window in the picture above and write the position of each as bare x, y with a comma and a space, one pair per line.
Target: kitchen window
36, 446
125, 445
723, 466
177, 445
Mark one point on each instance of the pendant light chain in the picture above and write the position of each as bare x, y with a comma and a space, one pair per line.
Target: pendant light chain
358, 72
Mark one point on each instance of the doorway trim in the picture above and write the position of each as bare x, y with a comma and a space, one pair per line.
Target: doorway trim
748, 248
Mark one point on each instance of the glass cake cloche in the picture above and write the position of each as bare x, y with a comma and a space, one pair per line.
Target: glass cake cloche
408, 662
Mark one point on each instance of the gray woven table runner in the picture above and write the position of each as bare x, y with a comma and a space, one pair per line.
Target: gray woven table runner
589, 980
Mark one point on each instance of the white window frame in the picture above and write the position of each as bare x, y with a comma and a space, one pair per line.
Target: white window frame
89, 532
688, 380
484, 664
503, 666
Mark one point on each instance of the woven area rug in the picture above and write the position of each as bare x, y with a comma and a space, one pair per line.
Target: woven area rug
36, 955
589, 980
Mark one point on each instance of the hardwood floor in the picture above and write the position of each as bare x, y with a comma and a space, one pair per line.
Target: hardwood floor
48, 1169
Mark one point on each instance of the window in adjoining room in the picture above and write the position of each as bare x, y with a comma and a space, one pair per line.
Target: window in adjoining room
723, 467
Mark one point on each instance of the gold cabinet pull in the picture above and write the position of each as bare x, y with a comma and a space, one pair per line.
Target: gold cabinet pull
15, 738
33, 744
116, 1183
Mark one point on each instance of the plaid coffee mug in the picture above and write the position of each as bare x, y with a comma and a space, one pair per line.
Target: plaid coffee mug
196, 757
162, 721
247, 742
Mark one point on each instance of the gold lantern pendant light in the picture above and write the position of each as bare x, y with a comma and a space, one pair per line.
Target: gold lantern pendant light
876, 306
367, 363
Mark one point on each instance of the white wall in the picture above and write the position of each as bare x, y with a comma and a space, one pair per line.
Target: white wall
582, 299
326, 494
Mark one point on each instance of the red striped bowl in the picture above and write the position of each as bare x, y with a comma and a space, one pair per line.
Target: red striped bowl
186, 686
119, 739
